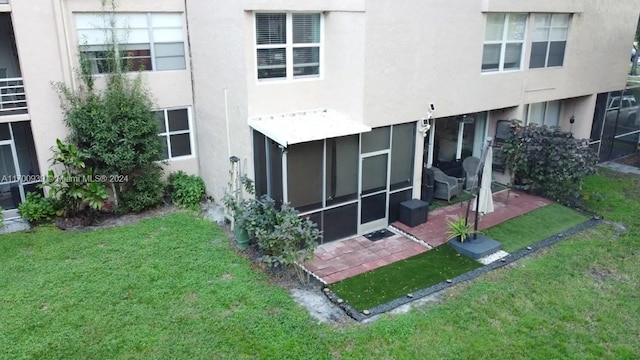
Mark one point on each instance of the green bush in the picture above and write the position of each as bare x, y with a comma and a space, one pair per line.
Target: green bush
37, 209
143, 191
186, 190
548, 160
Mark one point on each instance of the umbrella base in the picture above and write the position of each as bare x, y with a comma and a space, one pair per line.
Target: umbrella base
476, 248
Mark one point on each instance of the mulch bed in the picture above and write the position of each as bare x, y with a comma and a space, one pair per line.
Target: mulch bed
631, 160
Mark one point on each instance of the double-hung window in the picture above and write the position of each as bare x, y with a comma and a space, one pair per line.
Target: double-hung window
288, 45
504, 42
142, 41
543, 113
549, 40
174, 130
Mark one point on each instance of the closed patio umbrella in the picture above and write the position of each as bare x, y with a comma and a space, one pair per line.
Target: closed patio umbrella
485, 197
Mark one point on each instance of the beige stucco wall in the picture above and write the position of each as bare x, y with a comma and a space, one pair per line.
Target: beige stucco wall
434, 55
47, 51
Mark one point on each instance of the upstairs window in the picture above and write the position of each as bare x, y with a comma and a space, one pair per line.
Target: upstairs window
144, 41
288, 45
549, 40
504, 42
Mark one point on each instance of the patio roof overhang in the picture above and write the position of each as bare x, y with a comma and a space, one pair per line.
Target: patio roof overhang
305, 126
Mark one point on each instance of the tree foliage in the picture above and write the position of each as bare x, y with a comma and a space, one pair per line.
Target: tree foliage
548, 160
113, 122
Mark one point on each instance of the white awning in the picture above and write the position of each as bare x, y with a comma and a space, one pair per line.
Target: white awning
304, 126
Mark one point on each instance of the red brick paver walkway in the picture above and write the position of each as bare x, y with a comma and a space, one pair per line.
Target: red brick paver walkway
339, 260
506, 206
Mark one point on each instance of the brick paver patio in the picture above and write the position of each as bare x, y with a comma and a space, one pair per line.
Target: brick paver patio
342, 259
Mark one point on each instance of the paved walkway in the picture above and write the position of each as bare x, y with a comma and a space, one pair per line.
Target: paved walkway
507, 205
339, 260
620, 167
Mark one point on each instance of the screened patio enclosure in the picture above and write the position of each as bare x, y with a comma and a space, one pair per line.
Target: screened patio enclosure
348, 184
615, 131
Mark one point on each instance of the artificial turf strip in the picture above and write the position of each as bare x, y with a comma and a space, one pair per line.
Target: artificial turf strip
534, 226
389, 282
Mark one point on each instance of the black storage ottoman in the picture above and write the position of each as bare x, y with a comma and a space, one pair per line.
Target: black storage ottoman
413, 212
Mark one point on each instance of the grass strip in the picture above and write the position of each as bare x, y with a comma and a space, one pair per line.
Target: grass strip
402, 277
534, 226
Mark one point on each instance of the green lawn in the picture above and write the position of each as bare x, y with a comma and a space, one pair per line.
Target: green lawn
173, 288
389, 282
532, 227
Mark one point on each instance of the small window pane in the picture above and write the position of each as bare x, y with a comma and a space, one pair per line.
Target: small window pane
306, 61
541, 34
169, 49
306, 28
272, 63
512, 55
10, 196
178, 120
166, 20
165, 149
552, 115
491, 57
167, 35
376, 139
560, 20
271, 29
517, 26
342, 169
5, 134
543, 20
536, 113
180, 145
556, 53
160, 117
374, 173
7, 167
538, 55
495, 27
171, 63
304, 175
402, 154
558, 34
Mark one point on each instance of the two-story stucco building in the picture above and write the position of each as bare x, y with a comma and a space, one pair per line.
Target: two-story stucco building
325, 102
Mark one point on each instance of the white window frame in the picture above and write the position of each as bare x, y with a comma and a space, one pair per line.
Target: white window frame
289, 46
503, 44
166, 135
548, 40
151, 44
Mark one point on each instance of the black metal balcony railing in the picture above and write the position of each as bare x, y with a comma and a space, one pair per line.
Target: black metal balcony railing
12, 98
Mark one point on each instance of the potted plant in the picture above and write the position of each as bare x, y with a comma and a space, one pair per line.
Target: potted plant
459, 230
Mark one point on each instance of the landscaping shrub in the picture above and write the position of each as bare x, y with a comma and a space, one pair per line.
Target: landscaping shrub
114, 125
548, 160
144, 190
186, 190
38, 209
76, 188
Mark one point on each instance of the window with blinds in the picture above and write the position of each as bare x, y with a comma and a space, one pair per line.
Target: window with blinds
288, 45
549, 40
143, 41
504, 42
544, 113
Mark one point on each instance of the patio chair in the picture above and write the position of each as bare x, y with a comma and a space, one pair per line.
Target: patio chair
470, 166
446, 186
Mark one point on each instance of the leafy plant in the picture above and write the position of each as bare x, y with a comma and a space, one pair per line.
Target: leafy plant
38, 209
460, 230
76, 187
144, 191
115, 125
186, 190
550, 161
